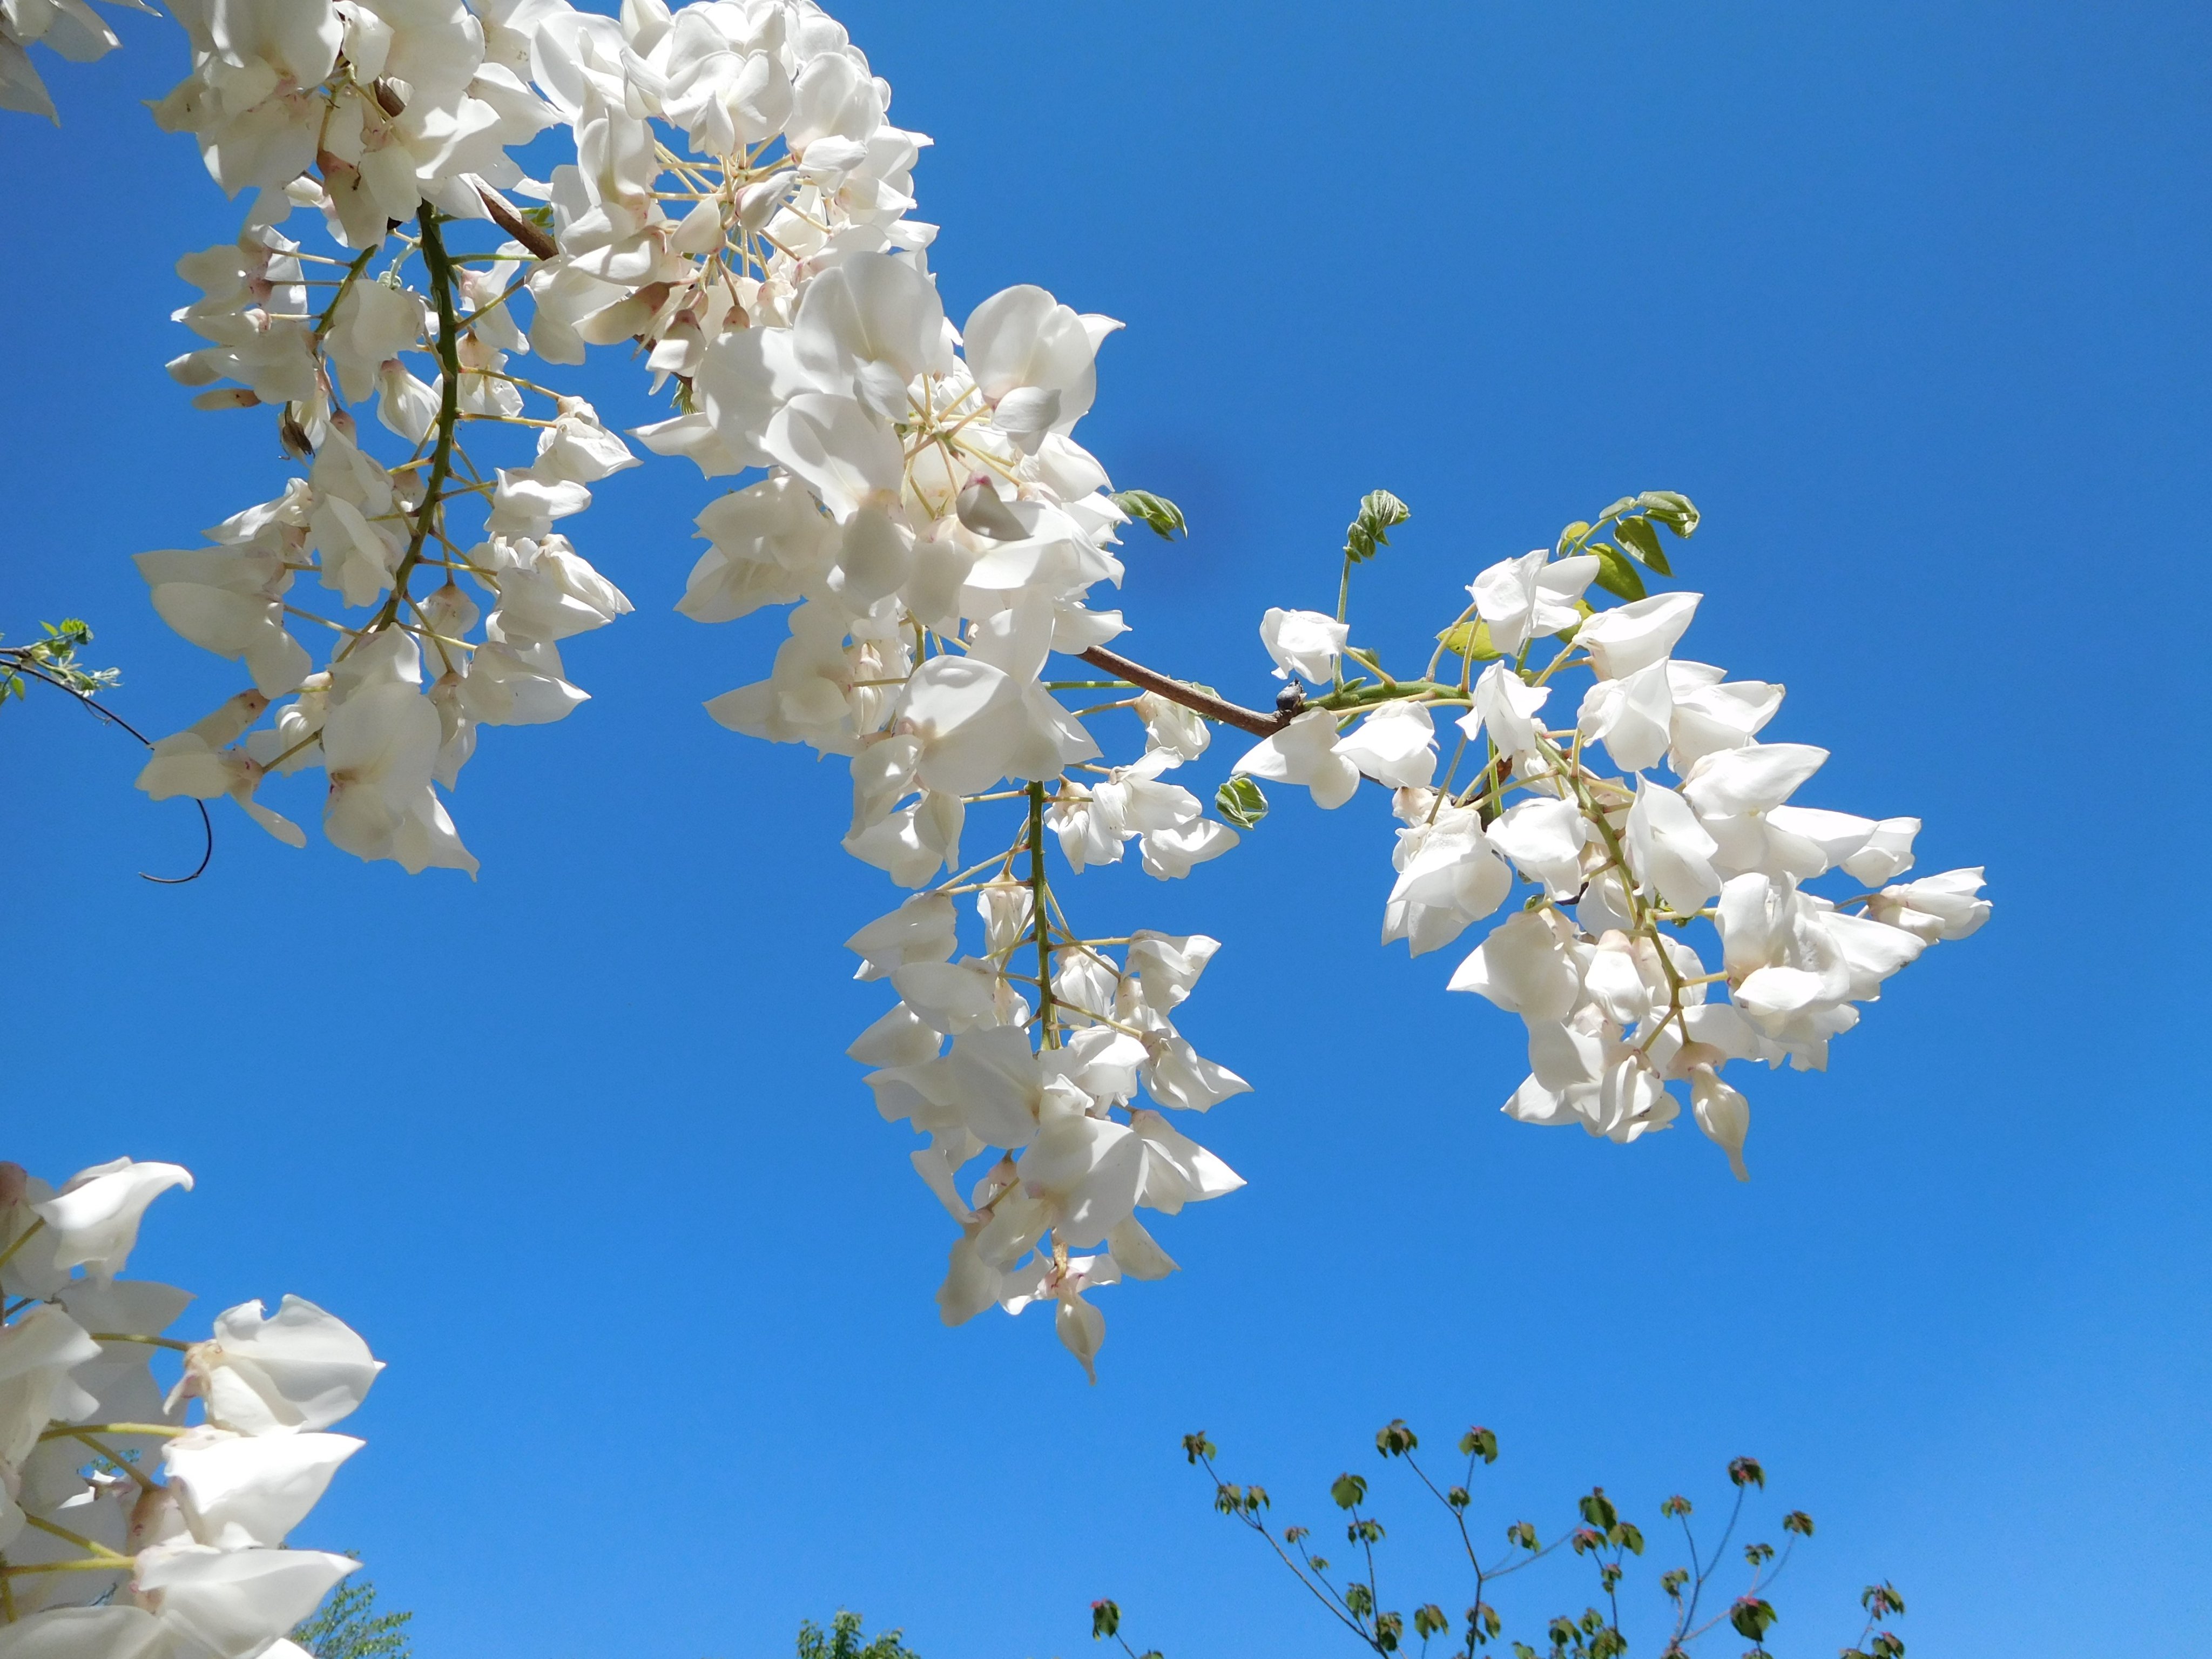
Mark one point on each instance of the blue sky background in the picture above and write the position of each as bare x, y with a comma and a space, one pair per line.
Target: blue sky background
1909, 298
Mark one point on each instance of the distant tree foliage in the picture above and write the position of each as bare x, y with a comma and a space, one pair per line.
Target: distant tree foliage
843, 1641
1606, 1538
349, 1626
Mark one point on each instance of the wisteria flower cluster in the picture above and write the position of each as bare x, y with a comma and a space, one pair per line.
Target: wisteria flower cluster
390, 125
735, 216
126, 1531
1693, 822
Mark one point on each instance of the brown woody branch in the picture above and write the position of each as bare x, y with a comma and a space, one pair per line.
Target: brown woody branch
537, 241
1205, 703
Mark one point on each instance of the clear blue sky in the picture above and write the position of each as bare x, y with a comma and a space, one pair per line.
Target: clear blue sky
1909, 298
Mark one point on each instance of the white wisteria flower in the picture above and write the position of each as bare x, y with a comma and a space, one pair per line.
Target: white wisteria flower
129, 1529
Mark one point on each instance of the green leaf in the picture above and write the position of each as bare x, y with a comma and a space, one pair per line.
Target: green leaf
1573, 534
1348, 1490
1597, 1509
1471, 641
1642, 541
1478, 1443
1163, 517
1614, 574
1240, 801
1672, 509
1105, 1620
1380, 512
1753, 1618
1394, 1439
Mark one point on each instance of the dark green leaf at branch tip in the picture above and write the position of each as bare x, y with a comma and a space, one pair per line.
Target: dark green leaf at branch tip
1470, 641
1642, 541
1882, 1600
1380, 512
1672, 509
1105, 1620
1614, 573
1753, 1618
1394, 1439
1746, 1472
1239, 800
1348, 1490
1478, 1443
1162, 515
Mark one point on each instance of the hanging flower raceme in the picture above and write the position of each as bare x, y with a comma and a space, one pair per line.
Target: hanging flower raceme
439, 581
128, 1525
1692, 832
927, 513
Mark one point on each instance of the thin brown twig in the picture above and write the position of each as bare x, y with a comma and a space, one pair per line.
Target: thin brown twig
1214, 708
504, 216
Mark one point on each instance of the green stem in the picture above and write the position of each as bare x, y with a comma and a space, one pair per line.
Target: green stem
1366, 696
1039, 893
79, 1539
330, 311
440, 266
24, 1238
150, 1341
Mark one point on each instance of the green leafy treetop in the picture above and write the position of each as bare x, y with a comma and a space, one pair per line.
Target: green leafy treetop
842, 1641
349, 1626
